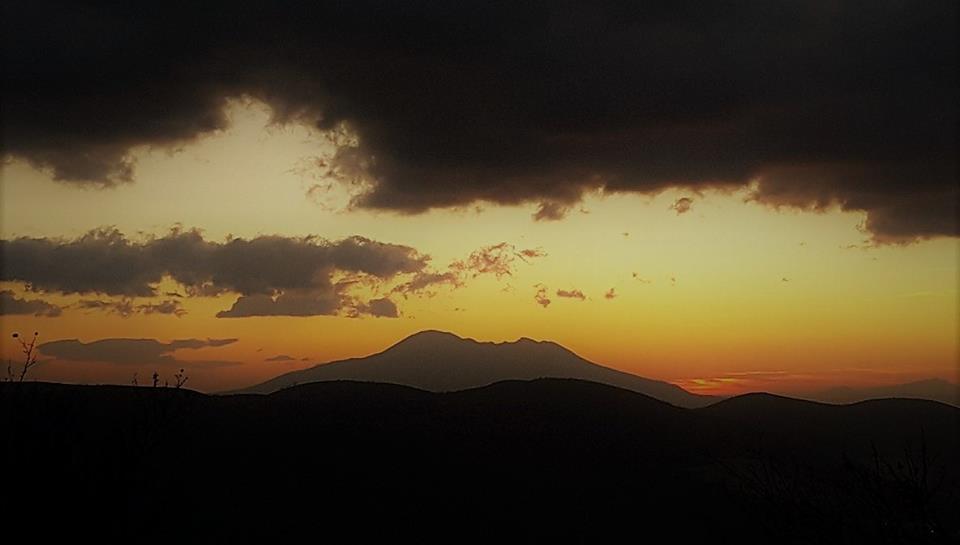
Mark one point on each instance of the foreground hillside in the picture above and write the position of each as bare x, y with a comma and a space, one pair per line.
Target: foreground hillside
543, 460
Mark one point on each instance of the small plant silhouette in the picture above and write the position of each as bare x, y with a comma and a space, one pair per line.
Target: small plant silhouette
180, 378
30, 358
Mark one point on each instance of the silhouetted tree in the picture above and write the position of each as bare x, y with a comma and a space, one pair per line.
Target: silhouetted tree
30, 358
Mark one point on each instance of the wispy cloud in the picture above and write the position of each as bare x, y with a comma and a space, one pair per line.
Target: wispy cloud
572, 294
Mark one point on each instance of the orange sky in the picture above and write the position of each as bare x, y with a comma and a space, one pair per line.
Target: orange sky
725, 297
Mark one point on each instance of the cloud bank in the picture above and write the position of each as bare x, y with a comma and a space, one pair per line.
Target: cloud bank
820, 103
273, 275
11, 305
131, 351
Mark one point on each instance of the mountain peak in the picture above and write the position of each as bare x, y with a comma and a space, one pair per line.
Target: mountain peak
430, 335
442, 361
434, 337
430, 339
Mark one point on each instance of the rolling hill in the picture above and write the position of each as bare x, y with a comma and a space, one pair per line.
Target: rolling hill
548, 460
932, 389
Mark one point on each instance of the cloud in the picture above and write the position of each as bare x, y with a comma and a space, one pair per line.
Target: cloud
126, 307
101, 261
11, 305
131, 351
308, 303
551, 211
422, 282
105, 261
288, 303
380, 308
531, 253
274, 275
606, 97
163, 307
541, 296
498, 260
682, 205
572, 294
280, 357
198, 343
610, 294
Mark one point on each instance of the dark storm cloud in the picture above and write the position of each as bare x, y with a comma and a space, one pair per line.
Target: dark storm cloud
105, 261
275, 276
11, 305
821, 102
101, 261
130, 351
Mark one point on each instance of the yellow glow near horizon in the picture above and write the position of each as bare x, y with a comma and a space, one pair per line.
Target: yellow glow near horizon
729, 296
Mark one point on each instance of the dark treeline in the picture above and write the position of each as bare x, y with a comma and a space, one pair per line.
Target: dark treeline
545, 460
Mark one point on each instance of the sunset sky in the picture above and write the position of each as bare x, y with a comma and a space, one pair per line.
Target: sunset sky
685, 196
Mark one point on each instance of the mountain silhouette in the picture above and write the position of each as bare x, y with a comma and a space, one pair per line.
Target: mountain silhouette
440, 362
934, 389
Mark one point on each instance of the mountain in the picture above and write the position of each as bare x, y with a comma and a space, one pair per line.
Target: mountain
933, 389
442, 362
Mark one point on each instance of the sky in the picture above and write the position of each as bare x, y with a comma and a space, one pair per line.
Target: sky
732, 200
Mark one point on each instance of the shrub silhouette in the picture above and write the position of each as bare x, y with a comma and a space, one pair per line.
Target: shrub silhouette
30, 358
896, 499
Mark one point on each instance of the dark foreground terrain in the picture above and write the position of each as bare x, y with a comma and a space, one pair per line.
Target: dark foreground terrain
538, 461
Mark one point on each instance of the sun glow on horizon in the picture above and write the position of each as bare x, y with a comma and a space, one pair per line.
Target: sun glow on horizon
714, 293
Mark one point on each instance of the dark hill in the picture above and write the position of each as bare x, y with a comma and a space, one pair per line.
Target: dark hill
934, 389
890, 425
549, 460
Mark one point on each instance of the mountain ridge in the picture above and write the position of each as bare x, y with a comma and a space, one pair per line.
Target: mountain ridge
565, 450
935, 389
441, 361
